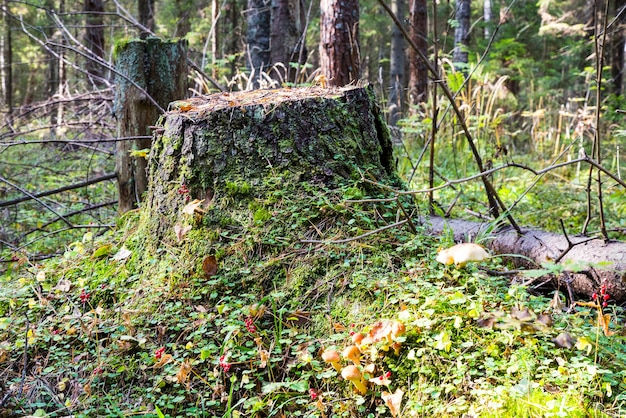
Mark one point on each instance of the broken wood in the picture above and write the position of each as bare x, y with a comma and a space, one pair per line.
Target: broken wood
604, 261
219, 145
151, 74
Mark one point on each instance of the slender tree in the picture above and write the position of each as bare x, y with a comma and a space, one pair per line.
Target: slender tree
462, 33
7, 68
94, 40
145, 9
286, 36
339, 41
258, 39
418, 70
396, 72
487, 18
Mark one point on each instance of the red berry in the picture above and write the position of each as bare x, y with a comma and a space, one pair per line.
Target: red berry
605, 304
594, 296
606, 296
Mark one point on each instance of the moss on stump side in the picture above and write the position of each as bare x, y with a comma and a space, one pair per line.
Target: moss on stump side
228, 145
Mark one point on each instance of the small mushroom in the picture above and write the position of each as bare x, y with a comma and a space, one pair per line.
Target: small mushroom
353, 374
353, 354
332, 357
461, 254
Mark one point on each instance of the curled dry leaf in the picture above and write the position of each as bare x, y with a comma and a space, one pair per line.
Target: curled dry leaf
181, 231
563, 340
183, 372
393, 401
165, 358
63, 285
122, 254
209, 266
604, 321
192, 207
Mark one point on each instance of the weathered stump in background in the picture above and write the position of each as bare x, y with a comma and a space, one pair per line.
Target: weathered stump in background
151, 74
209, 147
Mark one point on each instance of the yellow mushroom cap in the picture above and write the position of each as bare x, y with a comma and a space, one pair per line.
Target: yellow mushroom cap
352, 353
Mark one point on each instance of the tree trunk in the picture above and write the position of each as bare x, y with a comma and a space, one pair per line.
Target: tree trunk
286, 38
418, 71
94, 41
396, 73
7, 69
339, 41
487, 18
258, 40
228, 144
152, 74
462, 34
145, 11
544, 247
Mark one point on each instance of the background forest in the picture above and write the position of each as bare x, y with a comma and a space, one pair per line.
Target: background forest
534, 83
229, 314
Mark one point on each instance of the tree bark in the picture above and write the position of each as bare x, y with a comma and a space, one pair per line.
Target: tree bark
462, 34
232, 142
145, 11
339, 41
396, 73
152, 74
258, 40
7, 69
542, 247
287, 38
94, 40
418, 71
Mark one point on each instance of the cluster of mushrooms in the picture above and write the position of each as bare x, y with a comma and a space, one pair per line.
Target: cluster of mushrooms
383, 335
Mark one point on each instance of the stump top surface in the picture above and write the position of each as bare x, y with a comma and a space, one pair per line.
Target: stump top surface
226, 100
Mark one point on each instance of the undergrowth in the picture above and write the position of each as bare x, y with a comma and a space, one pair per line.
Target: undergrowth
230, 317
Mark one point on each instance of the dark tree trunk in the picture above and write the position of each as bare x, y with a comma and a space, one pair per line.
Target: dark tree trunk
286, 38
258, 39
152, 74
462, 34
94, 40
226, 141
339, 41
396, 73
183, 24
418, 70
145, 11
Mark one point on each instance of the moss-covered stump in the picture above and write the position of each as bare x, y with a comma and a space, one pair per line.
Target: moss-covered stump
225, 145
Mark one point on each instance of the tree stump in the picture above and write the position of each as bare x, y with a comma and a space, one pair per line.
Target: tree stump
222, 146
151, 74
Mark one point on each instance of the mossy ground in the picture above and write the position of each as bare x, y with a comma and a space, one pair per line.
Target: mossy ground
123, 326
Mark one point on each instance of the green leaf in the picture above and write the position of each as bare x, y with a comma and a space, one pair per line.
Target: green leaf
158, 412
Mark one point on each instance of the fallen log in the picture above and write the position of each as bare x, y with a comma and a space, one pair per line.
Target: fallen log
592, 261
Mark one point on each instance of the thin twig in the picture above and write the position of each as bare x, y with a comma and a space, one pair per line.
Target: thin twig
367, 234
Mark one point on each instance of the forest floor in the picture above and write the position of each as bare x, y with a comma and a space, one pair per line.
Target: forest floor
114, 328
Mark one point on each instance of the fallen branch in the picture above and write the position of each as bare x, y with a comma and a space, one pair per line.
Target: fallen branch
36, 196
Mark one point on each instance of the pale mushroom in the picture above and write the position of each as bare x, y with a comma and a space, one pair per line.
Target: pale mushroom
461, 254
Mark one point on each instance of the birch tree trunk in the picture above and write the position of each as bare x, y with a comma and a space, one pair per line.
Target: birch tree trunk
461, 34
